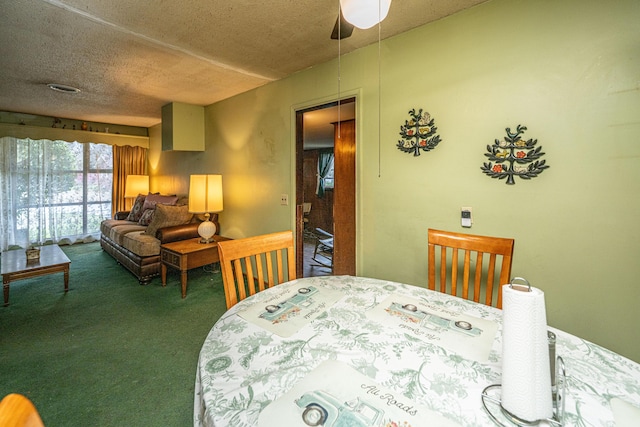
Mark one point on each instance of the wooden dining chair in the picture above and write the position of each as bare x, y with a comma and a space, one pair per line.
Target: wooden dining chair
253, 264
17, 410
446, 260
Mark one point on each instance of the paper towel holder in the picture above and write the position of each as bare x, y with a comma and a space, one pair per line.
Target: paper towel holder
496, 411
524, 287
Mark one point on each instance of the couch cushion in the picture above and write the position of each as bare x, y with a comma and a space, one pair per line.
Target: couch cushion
136, 209
146, 217
141, 244
108, 224
167, 216
153, 199
118, 232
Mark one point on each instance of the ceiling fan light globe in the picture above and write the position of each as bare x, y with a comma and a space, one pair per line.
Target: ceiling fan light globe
365, 13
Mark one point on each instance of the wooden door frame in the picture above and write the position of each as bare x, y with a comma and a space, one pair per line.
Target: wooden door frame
299, 179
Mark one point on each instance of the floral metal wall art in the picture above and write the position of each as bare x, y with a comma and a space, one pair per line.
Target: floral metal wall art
513, 156
418, 133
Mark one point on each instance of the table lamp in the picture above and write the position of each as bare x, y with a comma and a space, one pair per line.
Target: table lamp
136, 184
205, 196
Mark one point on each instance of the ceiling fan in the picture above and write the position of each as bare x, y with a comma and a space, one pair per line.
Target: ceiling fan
342, 29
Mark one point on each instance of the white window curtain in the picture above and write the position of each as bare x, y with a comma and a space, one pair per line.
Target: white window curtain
325, 164
52, 191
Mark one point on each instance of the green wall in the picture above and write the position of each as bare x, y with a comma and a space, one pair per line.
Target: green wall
567, 69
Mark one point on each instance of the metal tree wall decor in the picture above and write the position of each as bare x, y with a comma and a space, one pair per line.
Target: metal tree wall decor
418, 133
513, 156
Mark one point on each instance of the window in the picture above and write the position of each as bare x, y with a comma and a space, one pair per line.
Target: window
56, 190
325, 171
328, 179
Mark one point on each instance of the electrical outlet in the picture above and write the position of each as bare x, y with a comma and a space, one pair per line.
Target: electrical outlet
284, 199
466, 217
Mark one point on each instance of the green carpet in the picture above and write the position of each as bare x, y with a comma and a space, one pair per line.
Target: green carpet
109, 352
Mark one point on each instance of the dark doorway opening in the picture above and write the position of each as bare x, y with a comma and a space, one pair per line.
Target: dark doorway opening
325, 147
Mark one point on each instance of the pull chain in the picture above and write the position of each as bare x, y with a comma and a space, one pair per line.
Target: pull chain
379, 94
339, 69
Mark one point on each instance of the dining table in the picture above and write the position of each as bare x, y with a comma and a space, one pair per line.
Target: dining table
358, 351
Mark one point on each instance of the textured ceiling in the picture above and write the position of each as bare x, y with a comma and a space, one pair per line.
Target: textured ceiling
130, 57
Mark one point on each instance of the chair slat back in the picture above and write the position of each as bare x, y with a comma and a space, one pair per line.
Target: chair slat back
17, 410
474, 248
249, 265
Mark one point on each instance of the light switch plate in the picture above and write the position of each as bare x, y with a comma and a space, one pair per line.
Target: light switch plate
466, 217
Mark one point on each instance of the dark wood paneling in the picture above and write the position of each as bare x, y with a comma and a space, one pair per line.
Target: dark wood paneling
344, 212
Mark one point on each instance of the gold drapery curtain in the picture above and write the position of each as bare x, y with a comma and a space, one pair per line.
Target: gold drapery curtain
127, 160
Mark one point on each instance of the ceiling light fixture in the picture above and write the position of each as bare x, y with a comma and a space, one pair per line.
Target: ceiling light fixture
62, 88
365, 13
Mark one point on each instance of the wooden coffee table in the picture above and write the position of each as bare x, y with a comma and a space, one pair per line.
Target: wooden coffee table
15, 266
187, 254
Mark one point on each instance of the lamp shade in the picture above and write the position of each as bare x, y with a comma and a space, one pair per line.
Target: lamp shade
205, 193
136, 184
365, 13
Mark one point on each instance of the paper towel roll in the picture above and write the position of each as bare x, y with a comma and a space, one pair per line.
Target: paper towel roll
526, 378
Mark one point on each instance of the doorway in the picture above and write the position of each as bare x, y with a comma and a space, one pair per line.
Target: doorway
325, 213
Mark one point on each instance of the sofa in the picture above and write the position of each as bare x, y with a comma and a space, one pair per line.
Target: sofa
134, 237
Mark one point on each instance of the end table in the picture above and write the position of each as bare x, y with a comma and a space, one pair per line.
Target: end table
185, 255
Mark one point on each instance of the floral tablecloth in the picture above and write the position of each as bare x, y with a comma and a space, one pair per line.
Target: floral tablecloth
414, 354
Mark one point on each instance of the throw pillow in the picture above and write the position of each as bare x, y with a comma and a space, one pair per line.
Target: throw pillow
152, 199
167, 216
147, 217
136, 210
